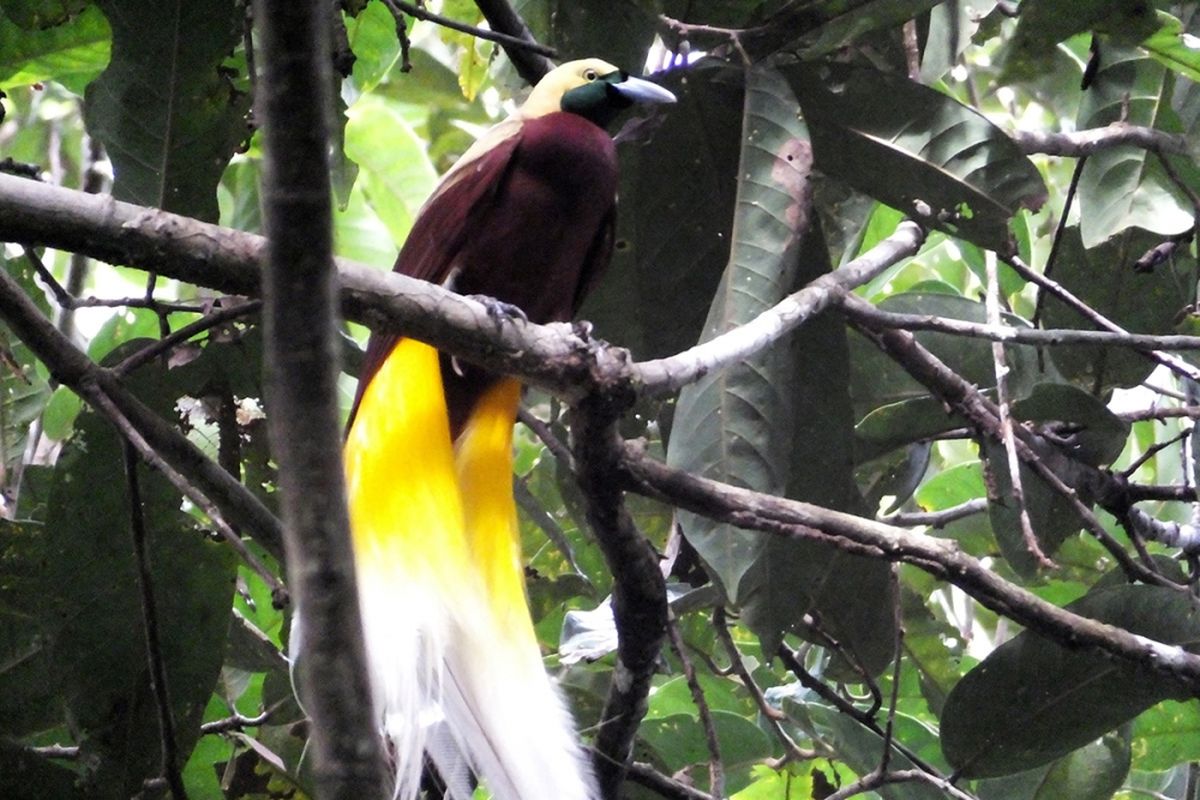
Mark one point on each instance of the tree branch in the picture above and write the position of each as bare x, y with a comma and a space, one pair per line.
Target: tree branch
158, 672
500, 37
553, 357
530, 59
103, 390
941, 558
639, 599
299, 310
667, 375
1079, 144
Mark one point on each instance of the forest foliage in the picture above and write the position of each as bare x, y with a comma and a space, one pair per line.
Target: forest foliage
1046, 148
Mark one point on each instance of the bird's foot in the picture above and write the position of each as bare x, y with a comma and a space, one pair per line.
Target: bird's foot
499, 310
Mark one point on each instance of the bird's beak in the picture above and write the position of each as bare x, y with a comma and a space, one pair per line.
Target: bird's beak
639, 90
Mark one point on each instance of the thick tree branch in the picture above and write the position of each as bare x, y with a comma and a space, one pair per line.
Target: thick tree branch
639, 591
941, 558
1084, 143
299, 309
552, 357
529, 59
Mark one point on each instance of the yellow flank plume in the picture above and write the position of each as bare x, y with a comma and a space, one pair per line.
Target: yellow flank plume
406, 514
483, 461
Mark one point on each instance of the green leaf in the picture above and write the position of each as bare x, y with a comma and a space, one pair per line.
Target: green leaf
951, 26
71, 53
917, 150
1169, 47
30, 696
1166, 735
99, 643
62, 409
833, 25
1140, 302
1093, 772
861, 749
1051, 516
1127, 187
672, 246
617, 32
125, 325
1032, 700
848, 594
372, 36
734, 425
393, 164
1042, 24
167, 117
33, 15
679, 741
1095, 435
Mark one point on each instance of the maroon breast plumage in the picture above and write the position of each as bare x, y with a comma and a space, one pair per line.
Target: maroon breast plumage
529, 222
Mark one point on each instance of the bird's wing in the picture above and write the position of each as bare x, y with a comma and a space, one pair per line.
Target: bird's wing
443, 225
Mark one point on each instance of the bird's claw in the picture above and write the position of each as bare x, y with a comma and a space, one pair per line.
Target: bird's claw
498, 309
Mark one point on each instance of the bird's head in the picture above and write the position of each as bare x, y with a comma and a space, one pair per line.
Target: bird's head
593, 89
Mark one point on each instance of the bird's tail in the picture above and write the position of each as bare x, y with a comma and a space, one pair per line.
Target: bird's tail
456, 670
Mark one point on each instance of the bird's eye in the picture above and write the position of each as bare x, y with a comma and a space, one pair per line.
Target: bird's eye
590, 74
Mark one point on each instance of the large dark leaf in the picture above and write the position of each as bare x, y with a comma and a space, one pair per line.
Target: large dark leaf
917, 150
98, 639
735, 425
847, 595
1141, 302
1032, 700
168, 118
676, 208
30, 699
1093, 772
1127, 187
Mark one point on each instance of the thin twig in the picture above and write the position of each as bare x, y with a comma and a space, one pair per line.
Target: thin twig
167, 343
1151, 452
544, 434
105, 405
773, 716
1171, 362
1147, 414
647, 776
1083, 143
158, 672
1007, 438
894, 585
1044, 337
938, 519
716, 772
399, 6
236, 722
